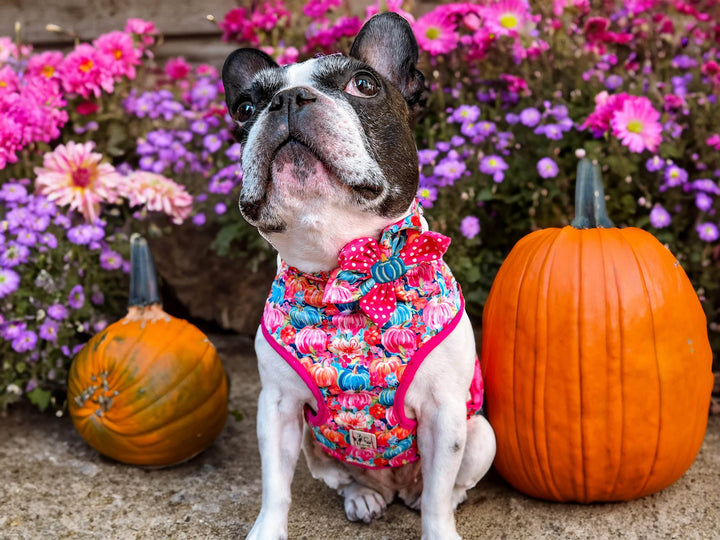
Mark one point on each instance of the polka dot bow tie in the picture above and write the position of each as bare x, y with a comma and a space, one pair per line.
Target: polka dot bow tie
368, 270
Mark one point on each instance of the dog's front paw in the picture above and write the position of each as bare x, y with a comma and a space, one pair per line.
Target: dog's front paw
266, 528
363, 503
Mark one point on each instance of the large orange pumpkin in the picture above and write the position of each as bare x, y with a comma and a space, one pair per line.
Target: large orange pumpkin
597, 365
149, 389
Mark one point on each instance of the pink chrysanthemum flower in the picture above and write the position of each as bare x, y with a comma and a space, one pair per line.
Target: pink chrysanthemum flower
46, 65
119, 47
9, 81
506, 17
394, 6
145, 30
637, 124
157, 194
435, 33
72, 175
86, 70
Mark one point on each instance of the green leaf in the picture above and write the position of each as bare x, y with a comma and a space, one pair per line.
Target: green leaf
39, 398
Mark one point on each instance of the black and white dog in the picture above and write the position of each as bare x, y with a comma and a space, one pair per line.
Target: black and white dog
329, 157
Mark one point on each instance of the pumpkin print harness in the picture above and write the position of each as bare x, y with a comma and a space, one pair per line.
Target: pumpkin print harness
357, 336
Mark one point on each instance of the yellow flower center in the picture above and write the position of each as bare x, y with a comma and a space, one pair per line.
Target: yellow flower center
86, 66
432, 33
3, 84
425, 193
508, 20
492, 162
634, 126
48, 71
118, 54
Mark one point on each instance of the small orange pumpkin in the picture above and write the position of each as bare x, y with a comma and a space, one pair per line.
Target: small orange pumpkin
149, 389
596, 360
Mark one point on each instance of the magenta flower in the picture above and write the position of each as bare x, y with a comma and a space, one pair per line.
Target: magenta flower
637, 125
110, 260
506, 17
177, 68
435, 33
426, 196
494, 165
58, 312
49, 330
87, 71
122, 56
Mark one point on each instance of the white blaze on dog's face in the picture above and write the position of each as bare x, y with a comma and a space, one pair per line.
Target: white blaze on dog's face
328, 147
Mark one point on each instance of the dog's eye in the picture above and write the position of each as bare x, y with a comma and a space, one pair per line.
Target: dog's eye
362, 85
244, 111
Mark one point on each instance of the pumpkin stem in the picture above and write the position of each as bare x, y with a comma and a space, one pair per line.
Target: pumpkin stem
590, 211
143, 281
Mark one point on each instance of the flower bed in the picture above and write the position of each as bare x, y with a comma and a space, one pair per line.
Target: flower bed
103, 141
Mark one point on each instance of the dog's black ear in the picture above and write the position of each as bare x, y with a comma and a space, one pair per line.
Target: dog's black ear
388, 45
238, 72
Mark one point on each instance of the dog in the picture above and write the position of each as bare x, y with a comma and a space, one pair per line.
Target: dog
364, 329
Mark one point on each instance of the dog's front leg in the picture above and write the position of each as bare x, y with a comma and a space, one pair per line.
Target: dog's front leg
280, 438
442, 432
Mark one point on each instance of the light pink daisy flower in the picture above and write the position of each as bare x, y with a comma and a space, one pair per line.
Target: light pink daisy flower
72, 175
86, 70
506, 17
146, 30
435, 33
119, 47
157, 194
637, 124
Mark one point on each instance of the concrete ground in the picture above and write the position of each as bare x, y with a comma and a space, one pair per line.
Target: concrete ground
53, 485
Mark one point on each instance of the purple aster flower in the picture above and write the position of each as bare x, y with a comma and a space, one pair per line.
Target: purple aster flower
613, 82
674, 176
659, 217
547, 168
62, 221
707, 231
31, 385
17, 218
14, 254
110, 260
13, 192
40, 222
26, 237
12, 330
76, 298
465, 113
199, 126
42, 207
58, 312
220, 185
199, 219
49, 240
234, 153
485, 128
706, 185
457, 140
512, 118
80, 235
169, 108
220, 208
551, 131
203, 93
212, 142
654, 164
703, 201
673, 128
450, 169
427, 195
683, 61
443, 146
160, 138
494, 165
559, 112
26, 341
49, 330
470, 226
530, 117
97, 297
9, 282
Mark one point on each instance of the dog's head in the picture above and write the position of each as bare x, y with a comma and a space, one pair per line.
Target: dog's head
338, 129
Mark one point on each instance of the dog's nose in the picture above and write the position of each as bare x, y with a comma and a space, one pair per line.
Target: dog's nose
292, 98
